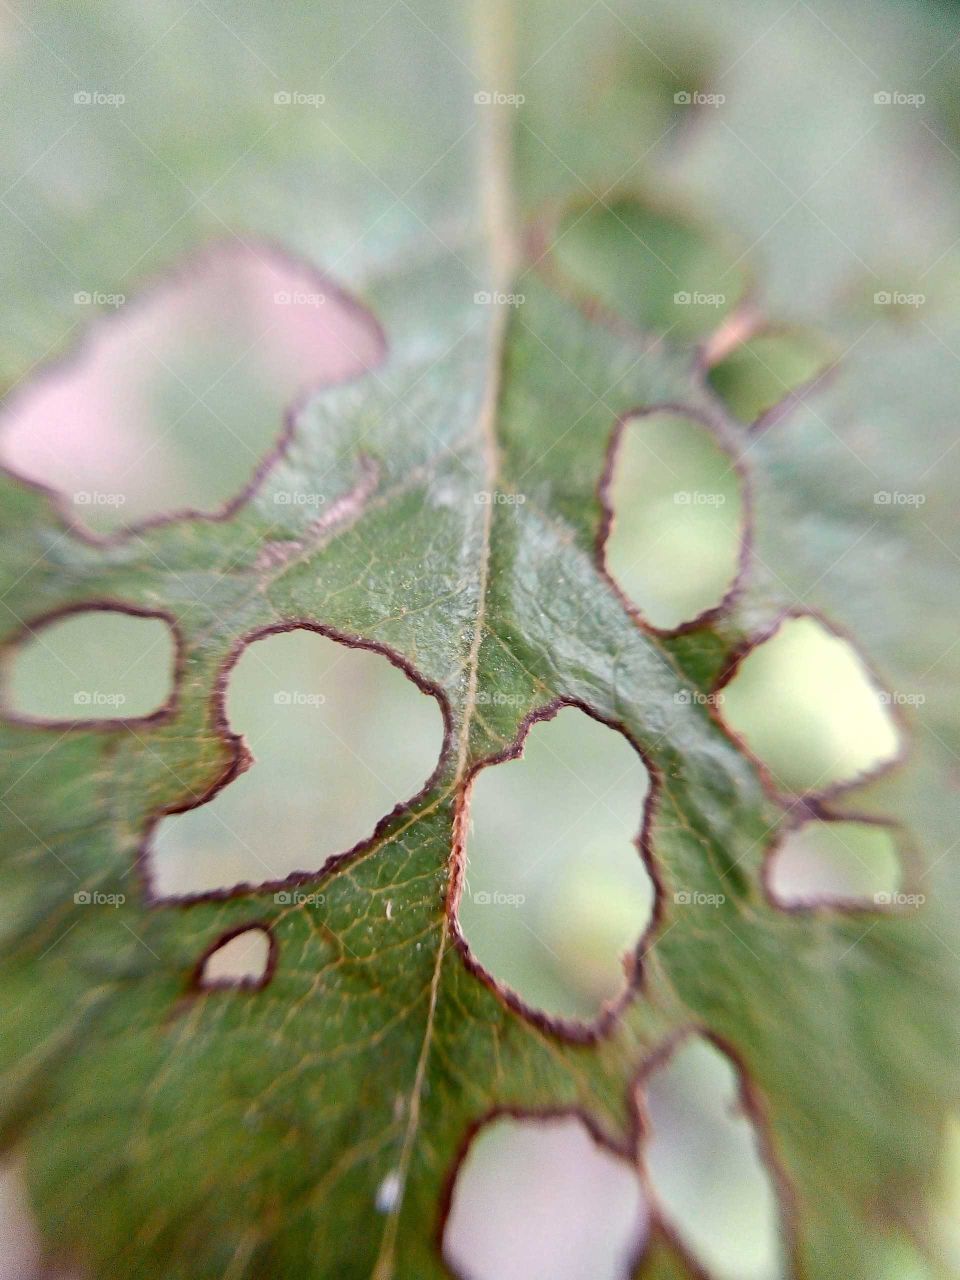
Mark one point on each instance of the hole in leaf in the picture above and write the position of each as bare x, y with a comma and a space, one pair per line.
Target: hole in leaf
240, 960
676, 536
173, 400
808, 708
657, 270
94, 664
626, 91
540, 1199
759, 373
21, 1249
841, 862
557, 894
947, 1202
339, 737
706, 1169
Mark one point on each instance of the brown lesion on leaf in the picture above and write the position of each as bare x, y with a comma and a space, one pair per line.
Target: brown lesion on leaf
239, 759
342, 513
717, 430
26, 631
574, 1030
738, 327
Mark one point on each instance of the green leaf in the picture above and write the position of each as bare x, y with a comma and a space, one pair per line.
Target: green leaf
171, 1130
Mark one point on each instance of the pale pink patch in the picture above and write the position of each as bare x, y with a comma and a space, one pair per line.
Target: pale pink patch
101, 427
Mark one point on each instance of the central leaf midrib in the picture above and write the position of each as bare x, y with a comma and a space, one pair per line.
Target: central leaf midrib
493, 19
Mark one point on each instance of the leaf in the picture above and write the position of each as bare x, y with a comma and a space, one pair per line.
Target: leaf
173, 1132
